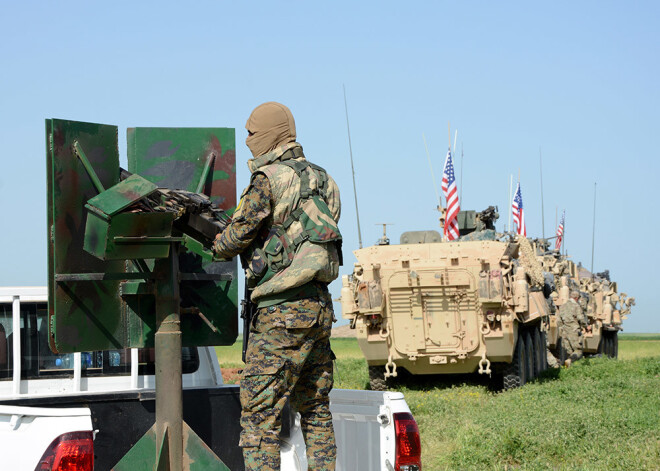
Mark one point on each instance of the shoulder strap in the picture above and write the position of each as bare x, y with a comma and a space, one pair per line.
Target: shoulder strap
301, 170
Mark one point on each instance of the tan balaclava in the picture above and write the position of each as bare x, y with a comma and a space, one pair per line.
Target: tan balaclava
269, 126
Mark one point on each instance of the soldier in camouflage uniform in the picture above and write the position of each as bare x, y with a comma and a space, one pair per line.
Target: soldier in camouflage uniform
285, 230
572, 321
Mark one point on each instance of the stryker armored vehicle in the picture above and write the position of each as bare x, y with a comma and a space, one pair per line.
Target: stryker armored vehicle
476, 304
604, 308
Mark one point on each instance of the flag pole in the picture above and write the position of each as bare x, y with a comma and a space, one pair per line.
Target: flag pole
350, 149
449, 135
510, 200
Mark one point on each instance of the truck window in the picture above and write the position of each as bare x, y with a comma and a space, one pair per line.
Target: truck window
38, 361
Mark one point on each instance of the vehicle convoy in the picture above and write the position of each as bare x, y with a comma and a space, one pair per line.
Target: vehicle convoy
85, 410
476, 304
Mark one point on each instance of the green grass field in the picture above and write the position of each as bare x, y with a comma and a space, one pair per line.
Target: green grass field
600, 414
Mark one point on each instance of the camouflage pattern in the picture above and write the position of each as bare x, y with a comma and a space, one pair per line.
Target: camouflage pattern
253, 209
273, 193
529, 260
97, 304
572, 322
289, 357
551, 359
312, 261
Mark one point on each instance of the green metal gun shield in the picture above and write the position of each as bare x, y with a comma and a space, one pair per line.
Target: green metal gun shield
105, 302
200, 160
83, 303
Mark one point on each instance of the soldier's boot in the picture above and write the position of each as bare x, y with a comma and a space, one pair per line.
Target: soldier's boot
567, 363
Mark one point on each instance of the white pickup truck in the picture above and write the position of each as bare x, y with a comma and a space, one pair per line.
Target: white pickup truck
85, 410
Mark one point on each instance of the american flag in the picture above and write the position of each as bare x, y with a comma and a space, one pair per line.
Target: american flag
451, 195
560, 231
518, 213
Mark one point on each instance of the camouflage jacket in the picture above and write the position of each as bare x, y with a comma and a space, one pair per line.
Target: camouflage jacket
252, 211
572, 317
266, 204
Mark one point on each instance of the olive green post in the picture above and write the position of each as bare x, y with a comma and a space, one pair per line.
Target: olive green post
169, 398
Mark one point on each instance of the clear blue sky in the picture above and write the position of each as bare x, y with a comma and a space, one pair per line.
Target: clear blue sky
579, 80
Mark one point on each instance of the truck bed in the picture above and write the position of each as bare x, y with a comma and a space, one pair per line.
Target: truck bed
122, 418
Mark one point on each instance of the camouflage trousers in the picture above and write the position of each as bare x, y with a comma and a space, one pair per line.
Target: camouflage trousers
288, 357
573, 345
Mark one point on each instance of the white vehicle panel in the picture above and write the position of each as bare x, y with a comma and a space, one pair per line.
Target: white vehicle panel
28, 431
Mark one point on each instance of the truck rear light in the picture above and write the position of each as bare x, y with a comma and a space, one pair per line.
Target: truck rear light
408, 445
72, 451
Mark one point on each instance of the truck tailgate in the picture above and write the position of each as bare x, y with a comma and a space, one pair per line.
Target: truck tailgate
364, 428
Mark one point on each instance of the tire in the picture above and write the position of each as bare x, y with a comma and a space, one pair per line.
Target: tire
539, 351
607, 349
544, 350
561, 351
612, 344
530, 355
377, 381
515, 373
615, 345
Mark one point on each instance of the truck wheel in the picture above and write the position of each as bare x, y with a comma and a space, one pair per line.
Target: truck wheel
539, 351
377, 381
515, 374
530, 355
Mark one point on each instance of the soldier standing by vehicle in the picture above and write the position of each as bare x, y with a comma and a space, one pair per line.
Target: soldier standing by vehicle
285, 228
572, 321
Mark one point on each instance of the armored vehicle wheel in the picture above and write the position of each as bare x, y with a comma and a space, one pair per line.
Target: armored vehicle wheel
377, 381
515, 373
615, 345
561, 351
611, 348
530, 355
601, 346
607, 344
544, 350
539, 351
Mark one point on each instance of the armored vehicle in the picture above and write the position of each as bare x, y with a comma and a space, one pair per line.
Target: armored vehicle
476, 304
605, 308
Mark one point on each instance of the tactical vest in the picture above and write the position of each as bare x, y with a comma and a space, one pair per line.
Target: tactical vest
303, 244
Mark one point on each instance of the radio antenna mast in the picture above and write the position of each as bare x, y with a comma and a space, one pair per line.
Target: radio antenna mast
350, 149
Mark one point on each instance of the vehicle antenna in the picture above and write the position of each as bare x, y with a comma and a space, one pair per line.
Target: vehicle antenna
435, 186
593, 234
542, 207
350, 149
